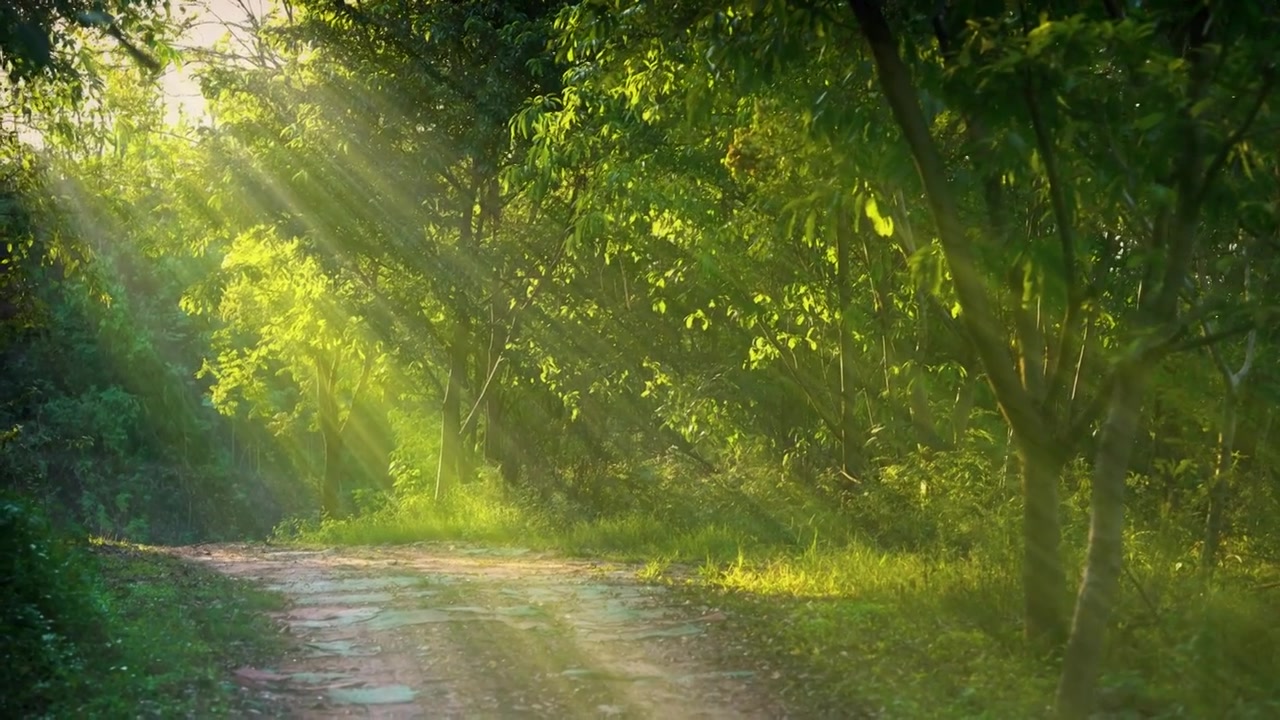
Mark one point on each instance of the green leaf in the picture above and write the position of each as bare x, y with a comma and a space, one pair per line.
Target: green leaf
883, 225
1147, 122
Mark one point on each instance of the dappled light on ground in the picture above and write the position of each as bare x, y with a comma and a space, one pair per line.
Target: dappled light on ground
438, 630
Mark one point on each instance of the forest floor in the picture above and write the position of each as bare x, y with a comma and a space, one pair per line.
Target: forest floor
448, 630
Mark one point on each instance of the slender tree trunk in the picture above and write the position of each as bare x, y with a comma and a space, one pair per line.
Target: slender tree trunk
1219, 490
966, 396
331, 436
1077, 686
331, 491
849, 443
492, 355
1044, 580
450, 464
1219, 485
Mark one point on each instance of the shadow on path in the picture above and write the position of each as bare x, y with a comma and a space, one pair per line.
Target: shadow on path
447, 631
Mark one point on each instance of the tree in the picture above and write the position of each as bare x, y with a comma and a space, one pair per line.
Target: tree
1155, 314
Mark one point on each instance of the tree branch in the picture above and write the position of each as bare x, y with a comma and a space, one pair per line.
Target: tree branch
1054, 385
1219, 160
978, 317
1207, 340
1151, 353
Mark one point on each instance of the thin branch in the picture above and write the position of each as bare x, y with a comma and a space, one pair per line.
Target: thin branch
511, 328
365, 372
1142, 593
1247, 365
1151, 353
978, 317
1054, 385
1091, 412
1219, 160
1215, 353
1208, 339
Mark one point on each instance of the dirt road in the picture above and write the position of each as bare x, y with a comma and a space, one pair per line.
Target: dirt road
439, 631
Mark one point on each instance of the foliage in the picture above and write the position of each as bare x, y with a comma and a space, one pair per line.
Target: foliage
114, 630
910, 312
50, 618
38, 38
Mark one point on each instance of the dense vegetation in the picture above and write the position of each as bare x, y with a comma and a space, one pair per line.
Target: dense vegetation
893, 315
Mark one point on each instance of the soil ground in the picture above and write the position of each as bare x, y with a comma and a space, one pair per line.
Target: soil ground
450, 631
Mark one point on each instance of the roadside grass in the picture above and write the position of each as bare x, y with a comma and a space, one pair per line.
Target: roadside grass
845, 625
167, 635
477, 514
177, 631
857, 631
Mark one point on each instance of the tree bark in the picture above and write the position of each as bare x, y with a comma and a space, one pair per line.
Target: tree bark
1078, 683
849, 444
331, 436
1216, 512
1219, 490
450, 466
1043, 576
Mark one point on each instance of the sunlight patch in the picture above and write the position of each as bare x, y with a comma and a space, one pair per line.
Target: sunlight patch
384, 695
342, 648
332, 617
391, 619
344, 585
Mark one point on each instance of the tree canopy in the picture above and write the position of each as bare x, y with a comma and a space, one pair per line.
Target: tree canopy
958, 279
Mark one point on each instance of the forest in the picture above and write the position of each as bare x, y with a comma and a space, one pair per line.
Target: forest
940, 338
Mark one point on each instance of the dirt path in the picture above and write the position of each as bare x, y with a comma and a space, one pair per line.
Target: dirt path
438, 631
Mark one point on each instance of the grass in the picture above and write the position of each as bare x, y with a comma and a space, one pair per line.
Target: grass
905, 636
848, 626
170, 634
857, 632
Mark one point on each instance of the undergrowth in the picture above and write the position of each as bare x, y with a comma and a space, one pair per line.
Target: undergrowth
908, 607
109, 630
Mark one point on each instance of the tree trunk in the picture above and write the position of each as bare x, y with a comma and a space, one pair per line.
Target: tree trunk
331, 488
450, 466
1219, 491
984, 328
849, 442
331, 436
1219, 486
1044, 579
1077, 686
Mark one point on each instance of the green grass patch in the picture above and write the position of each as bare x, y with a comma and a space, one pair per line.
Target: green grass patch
176, 630
696, 525
477, 514
855, 629
107, 630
